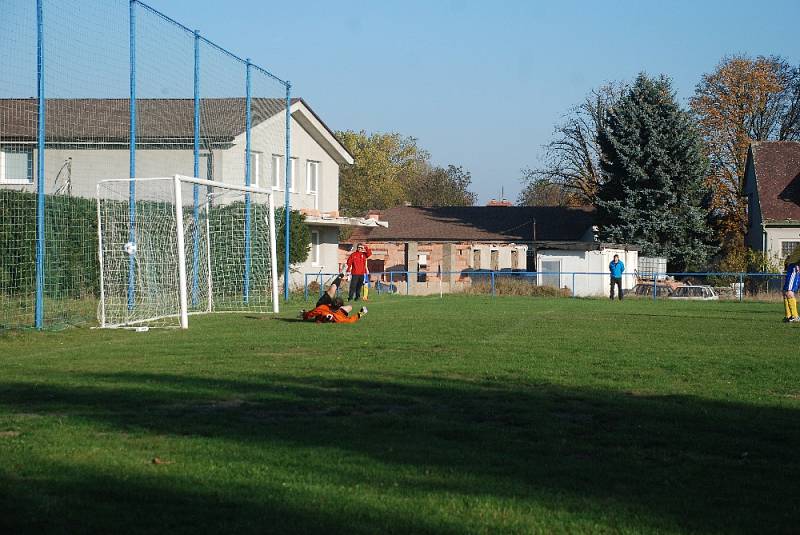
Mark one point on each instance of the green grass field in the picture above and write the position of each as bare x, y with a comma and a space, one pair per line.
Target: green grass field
462, 415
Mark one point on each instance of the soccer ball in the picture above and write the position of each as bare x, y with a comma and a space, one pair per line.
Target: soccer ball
130, 248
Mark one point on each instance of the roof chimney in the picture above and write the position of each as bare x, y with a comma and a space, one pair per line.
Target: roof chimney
502, 202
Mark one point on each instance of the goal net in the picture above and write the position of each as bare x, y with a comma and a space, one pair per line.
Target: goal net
175, 246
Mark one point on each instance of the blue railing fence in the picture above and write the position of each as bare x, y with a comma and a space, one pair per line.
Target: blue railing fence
689, 285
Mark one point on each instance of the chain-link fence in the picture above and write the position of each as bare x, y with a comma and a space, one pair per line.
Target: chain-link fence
104, 89
709, 286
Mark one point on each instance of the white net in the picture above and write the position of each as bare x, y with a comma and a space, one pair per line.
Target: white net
222, 234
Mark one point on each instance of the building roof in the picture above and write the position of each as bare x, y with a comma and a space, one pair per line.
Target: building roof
777, 168
480, 223
221, 119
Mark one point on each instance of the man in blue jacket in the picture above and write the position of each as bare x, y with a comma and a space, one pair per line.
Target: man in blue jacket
616, 268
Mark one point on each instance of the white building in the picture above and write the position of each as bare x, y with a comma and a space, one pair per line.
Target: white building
87, 140
772, 186
582, 267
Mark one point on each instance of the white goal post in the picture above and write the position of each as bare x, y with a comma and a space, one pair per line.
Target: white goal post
174, 246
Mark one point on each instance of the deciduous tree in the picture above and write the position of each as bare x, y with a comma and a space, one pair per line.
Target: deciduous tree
743, 100
570, 171
439, 186
384, 164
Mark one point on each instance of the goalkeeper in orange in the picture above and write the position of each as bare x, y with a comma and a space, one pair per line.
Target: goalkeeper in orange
331, 309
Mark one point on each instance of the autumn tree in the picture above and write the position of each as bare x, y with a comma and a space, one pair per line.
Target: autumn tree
391, 169
384, 165
743, 100
570, 171
653, 188
439, 186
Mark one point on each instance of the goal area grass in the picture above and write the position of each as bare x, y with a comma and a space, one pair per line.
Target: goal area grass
465, 414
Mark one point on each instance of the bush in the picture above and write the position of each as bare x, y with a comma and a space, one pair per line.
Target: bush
71, 267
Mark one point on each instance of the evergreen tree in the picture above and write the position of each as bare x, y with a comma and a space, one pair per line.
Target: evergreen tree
654, 192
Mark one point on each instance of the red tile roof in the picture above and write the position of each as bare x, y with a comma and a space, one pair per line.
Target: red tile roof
479, 223
777, 166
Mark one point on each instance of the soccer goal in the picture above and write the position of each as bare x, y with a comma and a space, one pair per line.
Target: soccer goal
175, 246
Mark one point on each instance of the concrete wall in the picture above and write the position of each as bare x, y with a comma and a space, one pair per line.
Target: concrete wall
451, 257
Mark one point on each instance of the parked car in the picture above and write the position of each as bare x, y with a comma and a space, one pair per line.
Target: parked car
646, 290
699, 293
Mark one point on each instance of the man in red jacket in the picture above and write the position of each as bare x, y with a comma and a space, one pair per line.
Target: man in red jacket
357, 267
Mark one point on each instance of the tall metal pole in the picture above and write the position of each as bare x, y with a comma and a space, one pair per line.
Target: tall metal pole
132, 187
196, 188
40, 179
286, 210
248, 124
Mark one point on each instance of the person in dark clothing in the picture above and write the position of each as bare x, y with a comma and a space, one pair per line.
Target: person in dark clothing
617, 268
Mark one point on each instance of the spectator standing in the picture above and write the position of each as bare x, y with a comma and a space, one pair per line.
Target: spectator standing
617, 268
357, 268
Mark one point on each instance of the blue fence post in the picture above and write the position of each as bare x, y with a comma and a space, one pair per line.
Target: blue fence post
196, 188
248, 123
408, 282
492, 283
305, 287
741, 286
573, 285
40, 178
132, 186
655, 278
287, 178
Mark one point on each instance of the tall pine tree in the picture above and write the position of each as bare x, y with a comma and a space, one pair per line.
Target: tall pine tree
654, 191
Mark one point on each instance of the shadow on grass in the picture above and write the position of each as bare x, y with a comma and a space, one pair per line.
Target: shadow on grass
627, 461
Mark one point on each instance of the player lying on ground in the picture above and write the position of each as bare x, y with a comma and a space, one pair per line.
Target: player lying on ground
331, 309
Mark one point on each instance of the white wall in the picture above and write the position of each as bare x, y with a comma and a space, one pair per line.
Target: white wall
594, 262
776, 237
305, 149
328, 257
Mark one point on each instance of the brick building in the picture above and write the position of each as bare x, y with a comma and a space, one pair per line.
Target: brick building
447, 245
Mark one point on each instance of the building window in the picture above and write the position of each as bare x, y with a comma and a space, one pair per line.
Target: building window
514, 258
476, 259
312, 177
422, 267
277, 171
495, 260
255, 169
16, 166
788, 247
314, 247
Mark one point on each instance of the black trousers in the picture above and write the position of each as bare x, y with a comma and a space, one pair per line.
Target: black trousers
618, 282
356, 282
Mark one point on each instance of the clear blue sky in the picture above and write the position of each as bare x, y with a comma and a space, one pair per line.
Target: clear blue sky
479, 83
